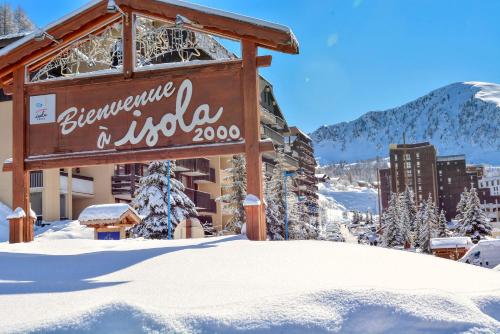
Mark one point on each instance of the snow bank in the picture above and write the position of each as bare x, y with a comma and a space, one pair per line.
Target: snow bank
63, 230
5, 211
230, 284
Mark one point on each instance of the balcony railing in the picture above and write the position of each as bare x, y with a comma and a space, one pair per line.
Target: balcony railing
124, 184
276, 137
36, 179
193, 167
209, 178
201, 200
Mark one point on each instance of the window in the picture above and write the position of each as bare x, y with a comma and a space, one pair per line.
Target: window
418, 163
417, 155
440, 187
440, 172
449, 180
408, 156
395, 157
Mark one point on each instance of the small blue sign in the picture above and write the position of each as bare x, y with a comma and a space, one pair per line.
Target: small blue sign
108, 235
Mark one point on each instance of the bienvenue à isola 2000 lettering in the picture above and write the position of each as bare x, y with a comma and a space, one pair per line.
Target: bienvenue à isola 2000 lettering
72, 118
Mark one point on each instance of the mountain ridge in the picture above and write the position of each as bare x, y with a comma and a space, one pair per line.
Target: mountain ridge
460, 118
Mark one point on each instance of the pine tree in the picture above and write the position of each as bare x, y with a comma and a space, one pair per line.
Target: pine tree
462, 205
419, 223
151, 201
428, 225
473, 222
275, 200
22, 21
411, 208
236, 188
393, 235
442, 226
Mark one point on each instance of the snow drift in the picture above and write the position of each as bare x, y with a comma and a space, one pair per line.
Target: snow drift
462, 118
230, 284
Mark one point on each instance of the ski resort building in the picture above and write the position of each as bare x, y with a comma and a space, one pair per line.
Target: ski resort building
447, 176
58, 194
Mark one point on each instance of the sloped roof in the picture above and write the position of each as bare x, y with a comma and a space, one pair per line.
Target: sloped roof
107, 212
74, 25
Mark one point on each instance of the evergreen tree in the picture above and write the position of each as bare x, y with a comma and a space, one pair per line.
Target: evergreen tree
151, 201
275, 200
410, 206
12, 22
419, 222
393, 234
442, 226
473, 222
462, 205
428, 225
236, 189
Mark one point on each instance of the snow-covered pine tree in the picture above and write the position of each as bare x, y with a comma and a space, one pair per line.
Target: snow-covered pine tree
151, 201
7, 23
474, 222
235, 185
275, 200
442, 226
428, 225
419, 222
393, 235
22, 21
411, 207
462, 206
333, 233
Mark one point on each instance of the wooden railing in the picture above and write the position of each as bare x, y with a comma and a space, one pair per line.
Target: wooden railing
210, 177
201, 200
199, 165
36, 179
124, 184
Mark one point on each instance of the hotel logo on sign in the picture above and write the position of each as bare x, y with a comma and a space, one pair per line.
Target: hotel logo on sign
43, 109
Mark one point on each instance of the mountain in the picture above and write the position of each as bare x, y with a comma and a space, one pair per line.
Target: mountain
462, 118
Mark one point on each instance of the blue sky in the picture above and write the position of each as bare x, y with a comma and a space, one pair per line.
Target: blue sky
360, 55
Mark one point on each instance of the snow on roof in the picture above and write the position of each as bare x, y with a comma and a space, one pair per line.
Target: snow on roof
203, 9
105, 212
19, 34
251, 200
452, 242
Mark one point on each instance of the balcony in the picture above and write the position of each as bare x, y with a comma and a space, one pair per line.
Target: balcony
81, 186
124, 185
269, 118
193, 167
201, 200
276, 137
209, 178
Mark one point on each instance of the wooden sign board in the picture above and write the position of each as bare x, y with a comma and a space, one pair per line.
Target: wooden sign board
158, 109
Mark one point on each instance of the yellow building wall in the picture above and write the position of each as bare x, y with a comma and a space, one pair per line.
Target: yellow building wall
51, 208
102, 188
5, 152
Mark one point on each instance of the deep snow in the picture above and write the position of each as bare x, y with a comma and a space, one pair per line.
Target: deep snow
229, 283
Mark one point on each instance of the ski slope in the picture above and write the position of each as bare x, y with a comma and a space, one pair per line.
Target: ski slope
228, 284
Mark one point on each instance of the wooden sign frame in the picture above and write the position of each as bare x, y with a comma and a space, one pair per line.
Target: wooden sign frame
252, 33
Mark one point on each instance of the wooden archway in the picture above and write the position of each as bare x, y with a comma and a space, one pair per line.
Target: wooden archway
42, 145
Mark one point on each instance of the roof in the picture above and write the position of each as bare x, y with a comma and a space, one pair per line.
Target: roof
295, 130
452, 242
451, 157
107, 212
72, 26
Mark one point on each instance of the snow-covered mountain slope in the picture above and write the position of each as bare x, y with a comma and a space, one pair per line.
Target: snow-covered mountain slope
232, 285
462, 118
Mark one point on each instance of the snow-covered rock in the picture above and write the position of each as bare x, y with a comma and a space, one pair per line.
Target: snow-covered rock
230, 284
462, 118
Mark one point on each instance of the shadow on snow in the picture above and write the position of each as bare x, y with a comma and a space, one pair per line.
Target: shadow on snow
41, 273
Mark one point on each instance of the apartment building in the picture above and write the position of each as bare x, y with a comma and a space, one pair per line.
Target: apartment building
414, 166
446, 176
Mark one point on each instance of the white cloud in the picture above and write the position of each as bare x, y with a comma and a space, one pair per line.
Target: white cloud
332, 40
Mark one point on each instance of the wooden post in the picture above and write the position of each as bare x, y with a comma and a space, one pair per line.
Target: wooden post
128, 44
256, 224
20, 176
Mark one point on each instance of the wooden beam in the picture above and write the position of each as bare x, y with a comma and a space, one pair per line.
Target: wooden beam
137, 156
128, 44
20, 176
264, 61
256, 225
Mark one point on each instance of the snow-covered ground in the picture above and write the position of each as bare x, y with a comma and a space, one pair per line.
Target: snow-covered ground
351, 197
230, 284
